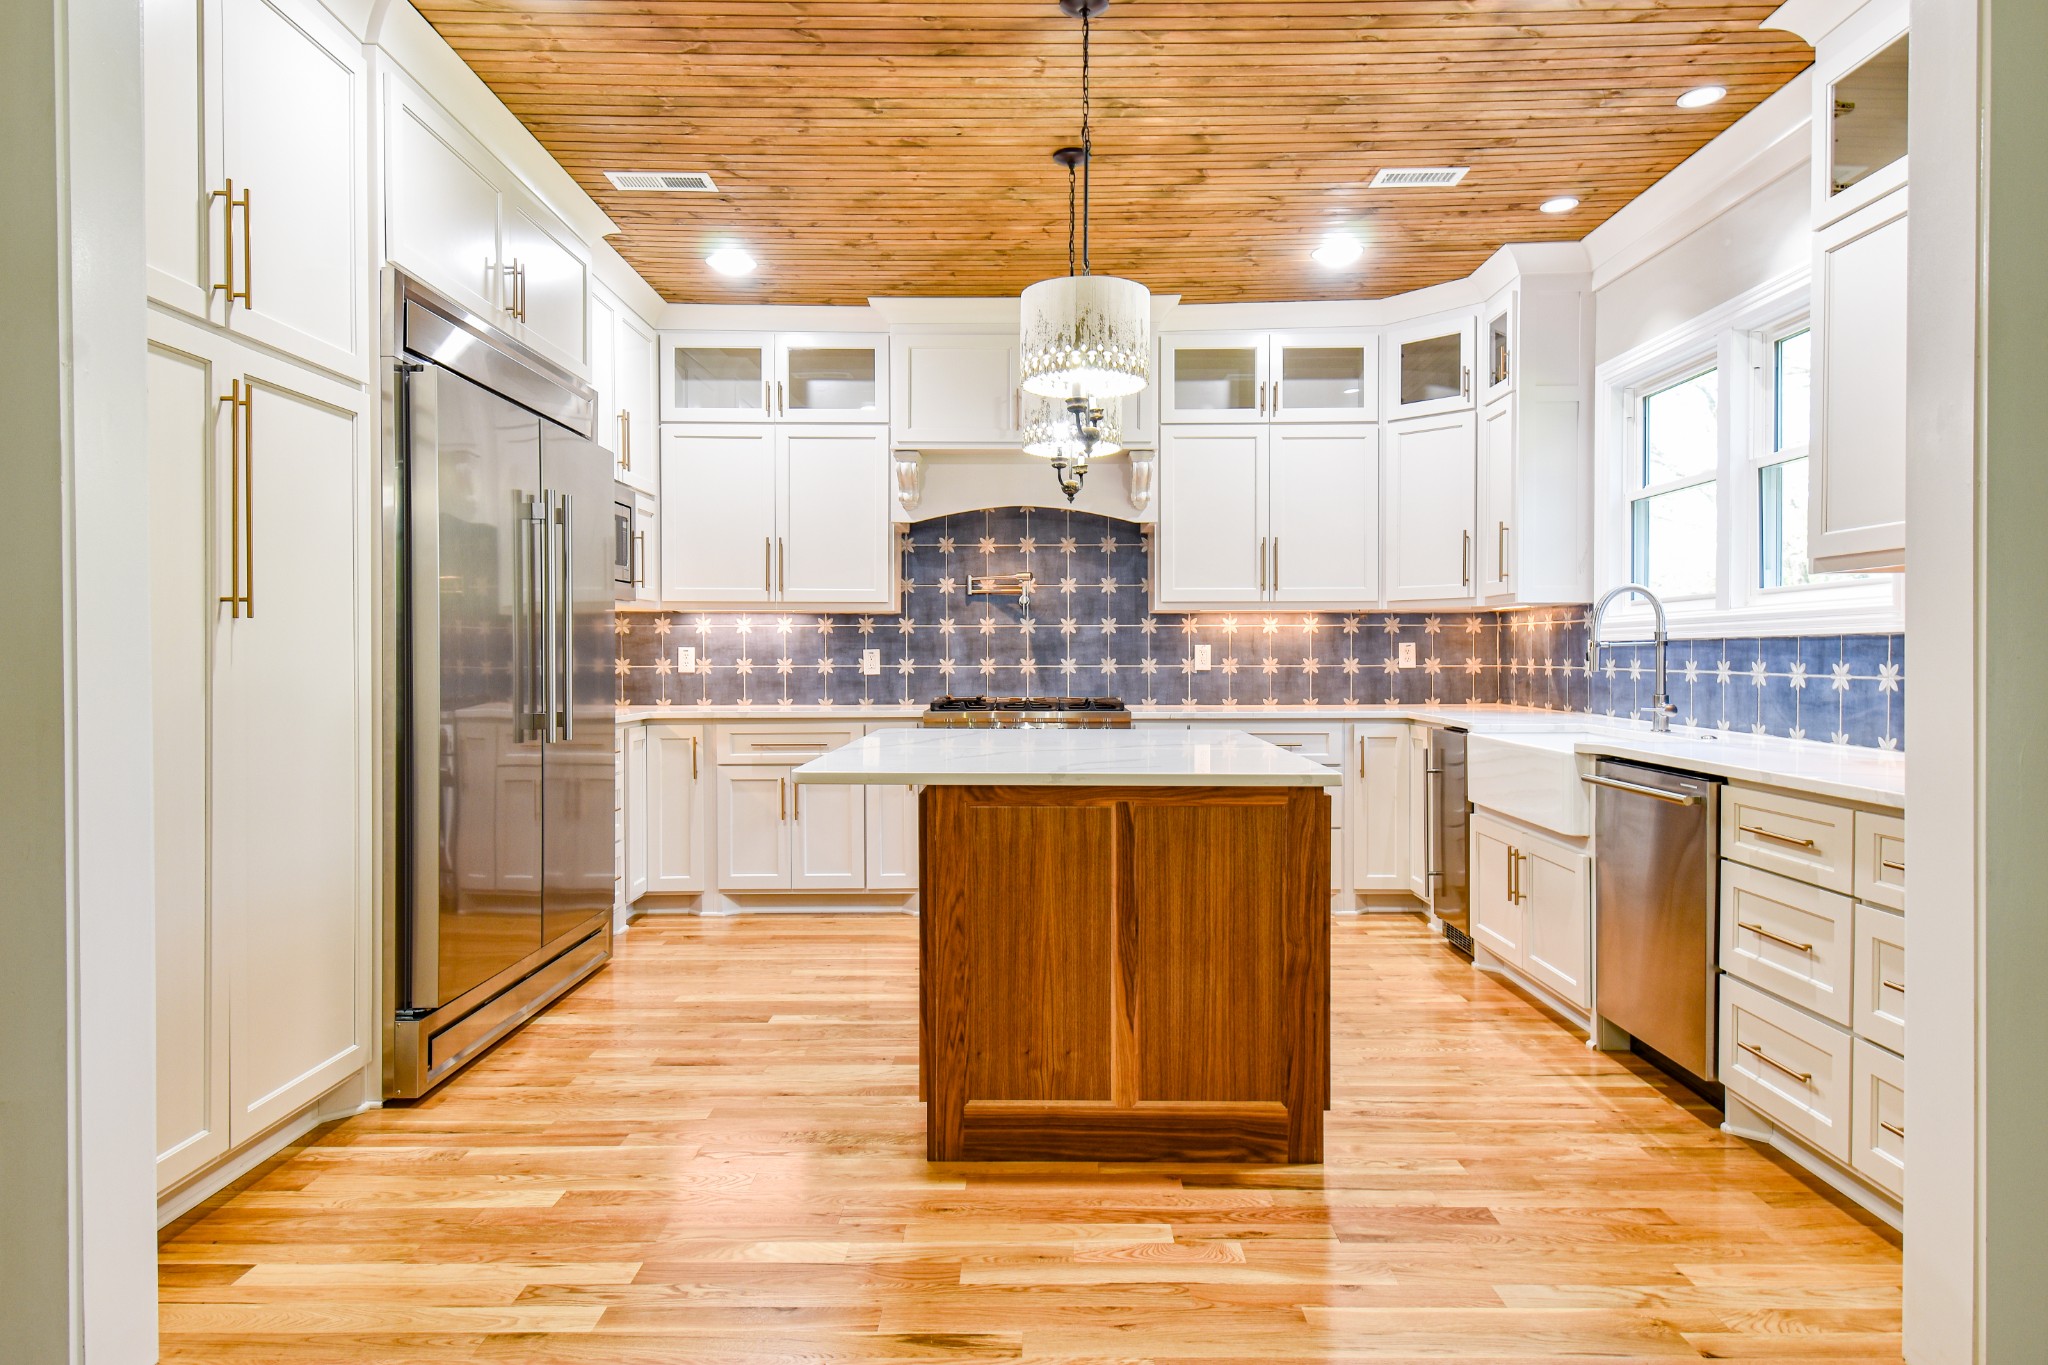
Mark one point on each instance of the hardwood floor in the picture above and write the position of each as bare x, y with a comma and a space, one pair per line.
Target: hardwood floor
713, 1151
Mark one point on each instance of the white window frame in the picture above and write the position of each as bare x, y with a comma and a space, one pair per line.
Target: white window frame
1735, 340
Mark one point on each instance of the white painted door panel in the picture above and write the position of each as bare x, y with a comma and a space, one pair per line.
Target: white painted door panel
892, 838
954, 390
1857, 508
834, 377
1213, 377
837, 543
1211, 542
636, 416
639, 797
829, 837
1496, 916
1380, 815
1324, 375
1429, 501
185, 422
1430, 366
1497, 531
753, 828
718, 519
604, 374
1557, 945
287, 804
550, 282
292, 130
1324, 498
718, 377
181, 151
440, 202
676, 762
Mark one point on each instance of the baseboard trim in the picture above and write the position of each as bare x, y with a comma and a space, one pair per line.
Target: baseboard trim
199, 1187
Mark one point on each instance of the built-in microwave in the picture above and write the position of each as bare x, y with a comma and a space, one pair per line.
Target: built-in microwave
625, 550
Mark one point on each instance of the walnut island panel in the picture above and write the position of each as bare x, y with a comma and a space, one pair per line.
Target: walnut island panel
1124, 943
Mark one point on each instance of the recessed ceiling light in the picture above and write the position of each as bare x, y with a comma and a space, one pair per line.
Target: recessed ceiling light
730, 260
1564, 203
1338, 250
1701, 96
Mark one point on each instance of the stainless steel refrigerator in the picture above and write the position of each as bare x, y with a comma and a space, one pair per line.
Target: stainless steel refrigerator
499, 619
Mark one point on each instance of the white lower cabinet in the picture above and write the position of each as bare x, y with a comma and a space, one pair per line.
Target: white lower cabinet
261, 846
1531, 907
1878, 1149
1788, 937
891, 834
1879, 985
633, 818
753, 828
828, 837
1788, 1065
1381, 808
676, 812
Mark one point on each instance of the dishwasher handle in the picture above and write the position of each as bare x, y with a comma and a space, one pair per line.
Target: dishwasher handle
1638, 789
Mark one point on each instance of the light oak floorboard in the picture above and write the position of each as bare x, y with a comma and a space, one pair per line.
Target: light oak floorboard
711, 1152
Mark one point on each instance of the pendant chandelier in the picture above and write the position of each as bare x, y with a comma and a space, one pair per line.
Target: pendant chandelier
1086, 339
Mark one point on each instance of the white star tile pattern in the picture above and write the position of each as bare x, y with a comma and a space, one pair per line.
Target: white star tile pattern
1090, 630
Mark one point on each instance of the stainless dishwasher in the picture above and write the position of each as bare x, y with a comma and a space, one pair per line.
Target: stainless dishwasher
1656, 857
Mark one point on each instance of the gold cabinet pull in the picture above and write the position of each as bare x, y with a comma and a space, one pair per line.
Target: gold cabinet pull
1888, 865
1502, 549
243, 295
1803, 1077
241, 500
1762, 932
625, 439
1276, 563
767, 563
796, 799
1361, 755
1898, 986
1465, 560
693, 758
781, 567
639, 559
1894, 1129
1790, 840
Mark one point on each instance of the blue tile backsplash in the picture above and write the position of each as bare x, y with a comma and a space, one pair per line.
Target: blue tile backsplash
1088, 631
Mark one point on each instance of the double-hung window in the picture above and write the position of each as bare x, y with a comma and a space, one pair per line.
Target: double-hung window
1704, 474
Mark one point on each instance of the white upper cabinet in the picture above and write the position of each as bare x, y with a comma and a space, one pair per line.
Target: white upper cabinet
1430, 366
1212, 377
545, 281
1430, 473
835, 542
1857, 508
794, 515
1324, 376
833, 377
459, 219
1498, 344
256, 185
1497, 498
1210, 549
1259, 514
1323, 514
717, 377
1861, 74
622, 371
955, 390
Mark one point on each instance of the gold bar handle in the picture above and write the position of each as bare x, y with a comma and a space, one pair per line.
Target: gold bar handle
1803, 1077
1898, 986
1888, 865
241, 501
639, 559
781, 567
1792, 841
1894, 1129
1502, 576
1361, 755
1465, 559
625, 439
1262, 563
767, 563
1762, 932
693, 758
781, 800
227, 227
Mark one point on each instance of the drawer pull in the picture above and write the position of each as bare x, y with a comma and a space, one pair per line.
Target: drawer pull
1888, 865
1894, 1129
809, 746
1762, 932
1898, 986
1803, 1077
1792, 840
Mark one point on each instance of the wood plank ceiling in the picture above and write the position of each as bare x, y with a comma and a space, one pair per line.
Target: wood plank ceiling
883, 147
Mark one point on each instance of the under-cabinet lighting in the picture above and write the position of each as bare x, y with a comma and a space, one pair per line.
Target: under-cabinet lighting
1699, 97
730, 260
1564, 203
1338, 250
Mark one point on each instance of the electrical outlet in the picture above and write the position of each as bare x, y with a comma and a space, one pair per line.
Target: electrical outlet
686, 659
1406, 656
1202, 660
870, 662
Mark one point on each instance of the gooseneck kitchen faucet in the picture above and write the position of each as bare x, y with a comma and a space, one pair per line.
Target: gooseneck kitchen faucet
1660, 701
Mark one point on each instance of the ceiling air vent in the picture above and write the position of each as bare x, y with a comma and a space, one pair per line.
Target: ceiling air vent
690, 182
1418, 177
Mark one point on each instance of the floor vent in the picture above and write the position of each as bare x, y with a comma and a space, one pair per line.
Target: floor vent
689, 182
1417, 177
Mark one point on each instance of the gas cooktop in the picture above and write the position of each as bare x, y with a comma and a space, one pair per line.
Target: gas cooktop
1027, 712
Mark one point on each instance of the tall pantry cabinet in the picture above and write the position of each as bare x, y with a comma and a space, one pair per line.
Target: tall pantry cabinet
259, 600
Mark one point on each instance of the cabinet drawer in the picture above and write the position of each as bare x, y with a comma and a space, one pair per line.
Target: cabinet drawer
1878, 1151
1880, 977
1809, 840
1789, 938
1790, 1066
1881, 859
781, 743
1317, 743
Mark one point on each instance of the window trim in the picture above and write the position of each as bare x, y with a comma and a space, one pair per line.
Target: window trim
1736, 336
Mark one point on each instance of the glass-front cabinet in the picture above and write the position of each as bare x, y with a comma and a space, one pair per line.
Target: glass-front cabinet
1430, 366
1860, 84
774, 377
1320, 375
1497, 345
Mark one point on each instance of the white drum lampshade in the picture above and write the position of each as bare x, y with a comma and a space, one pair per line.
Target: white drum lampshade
1086, 336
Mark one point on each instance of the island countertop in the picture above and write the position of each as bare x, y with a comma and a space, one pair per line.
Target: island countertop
1066, 758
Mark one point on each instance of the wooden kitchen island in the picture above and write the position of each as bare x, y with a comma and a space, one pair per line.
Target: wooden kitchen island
1124, 941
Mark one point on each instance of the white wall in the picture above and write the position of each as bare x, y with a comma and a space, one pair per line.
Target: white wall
77, 1090
1758, 239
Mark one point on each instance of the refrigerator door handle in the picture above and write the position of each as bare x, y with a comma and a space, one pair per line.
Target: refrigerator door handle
546, 609
565, 715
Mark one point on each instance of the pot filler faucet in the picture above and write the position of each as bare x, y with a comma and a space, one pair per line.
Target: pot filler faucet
1660, 701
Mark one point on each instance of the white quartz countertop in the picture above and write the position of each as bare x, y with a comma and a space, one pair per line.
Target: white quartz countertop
1067, 758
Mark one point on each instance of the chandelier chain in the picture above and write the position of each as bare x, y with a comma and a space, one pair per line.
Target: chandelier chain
1087, 149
